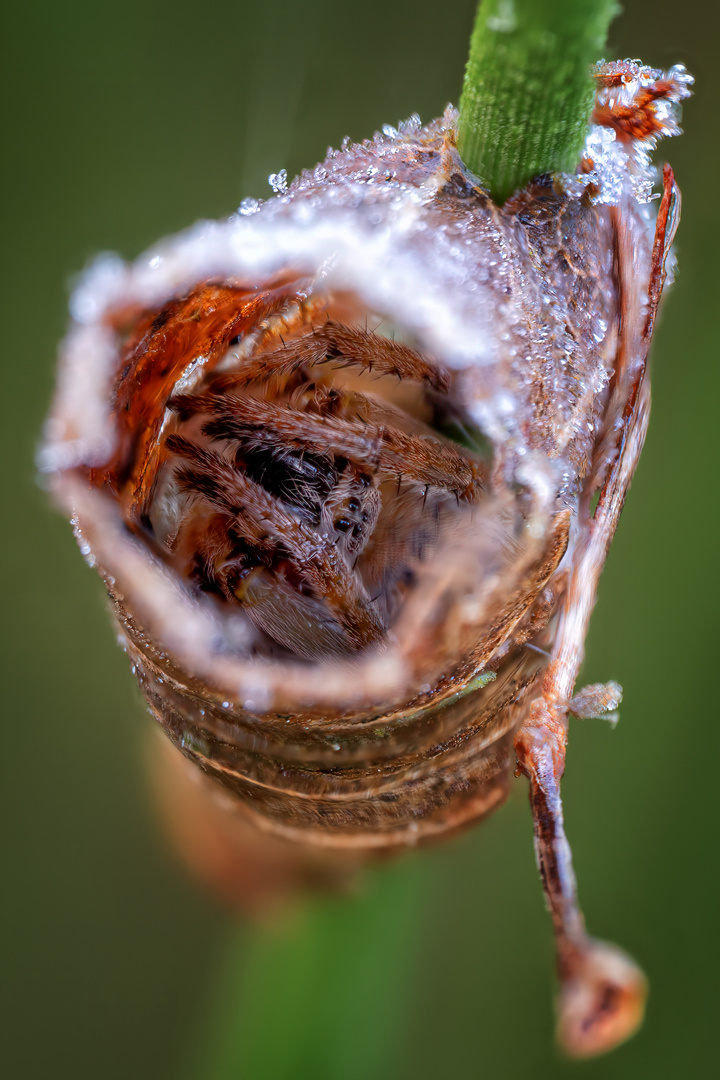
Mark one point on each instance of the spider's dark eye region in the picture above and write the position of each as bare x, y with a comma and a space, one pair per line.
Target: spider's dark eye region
301, 476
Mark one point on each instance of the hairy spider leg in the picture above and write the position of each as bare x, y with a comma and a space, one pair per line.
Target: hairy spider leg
264, 523
344, 346
385, 450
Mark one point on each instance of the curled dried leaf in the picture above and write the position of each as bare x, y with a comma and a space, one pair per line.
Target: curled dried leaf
336, 459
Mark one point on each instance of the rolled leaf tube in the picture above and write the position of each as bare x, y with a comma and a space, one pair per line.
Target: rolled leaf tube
335, 459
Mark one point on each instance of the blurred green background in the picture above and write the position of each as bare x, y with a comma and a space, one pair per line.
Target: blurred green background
123, 123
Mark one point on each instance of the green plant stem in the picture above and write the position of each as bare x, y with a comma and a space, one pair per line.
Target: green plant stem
527, 93
319, 994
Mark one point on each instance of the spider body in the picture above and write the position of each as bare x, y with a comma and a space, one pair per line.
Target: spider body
309, 475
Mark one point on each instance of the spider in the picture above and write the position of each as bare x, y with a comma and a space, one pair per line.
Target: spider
304, 483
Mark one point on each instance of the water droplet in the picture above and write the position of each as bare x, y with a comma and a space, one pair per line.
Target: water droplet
411, 125
278, 182
505, 21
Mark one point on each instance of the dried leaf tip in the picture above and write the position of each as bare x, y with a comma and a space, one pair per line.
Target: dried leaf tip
635, 106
